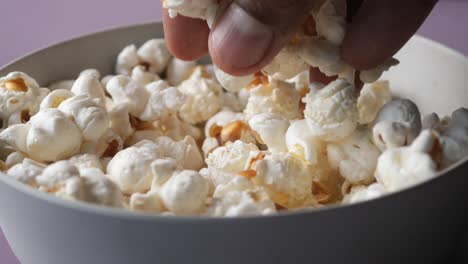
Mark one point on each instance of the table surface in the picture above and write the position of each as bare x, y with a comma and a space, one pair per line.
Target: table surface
35, 24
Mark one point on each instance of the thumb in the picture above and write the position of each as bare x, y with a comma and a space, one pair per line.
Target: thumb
249, 33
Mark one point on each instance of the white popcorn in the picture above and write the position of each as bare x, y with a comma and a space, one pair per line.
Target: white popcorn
209, 144
330, 21
203, 97
65, 84
171, 126
155, 53
88, 84
99, 189
14, 158
364, 193
89, 116
120, 121
232, 83
149, 202
454, 139
126, 91
130, 168
140, 135
233, 157
302, 143
48, 136
26, 171
126, 60
142, 77
231, 102
105, 80
216, 176
285, 178
62, 179
189, 8
86, 161
185, 193
301, 81
220, 120
185, 152
55, 98
162, 170
355, 157
106, 146
272, 129
164, 101
372, 98
239, 197
331, 112
275, 97
397, 124
403, 167
372, 75
286, 64
178, 71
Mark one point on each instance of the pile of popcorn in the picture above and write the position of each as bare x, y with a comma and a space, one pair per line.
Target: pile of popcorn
170, 137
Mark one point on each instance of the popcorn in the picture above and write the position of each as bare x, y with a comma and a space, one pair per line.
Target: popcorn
185, 193
99, 189
363, 193
120, 121
90, 117
372, 98
149, 202
219, 120
55, 98
48, 136
271, 128
185, 152
178, 71
62, 179
275, 97
285, 179
355, 157
126, 60
189, 8
155, 54
126, 91
330, 21
454, 139
106, 146
372, 75
26, 171
88, 84
14, 158
397, 124
402, 167
203, 98
86, 161
231, 83
286, 64
301, 142
142, 77
164, 101
331, 112
233, 157
231, 102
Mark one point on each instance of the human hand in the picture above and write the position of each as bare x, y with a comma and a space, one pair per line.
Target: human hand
249, 33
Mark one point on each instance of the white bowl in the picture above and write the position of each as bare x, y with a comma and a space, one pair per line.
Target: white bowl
423, 223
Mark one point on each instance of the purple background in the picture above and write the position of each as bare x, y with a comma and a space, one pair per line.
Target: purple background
26, 25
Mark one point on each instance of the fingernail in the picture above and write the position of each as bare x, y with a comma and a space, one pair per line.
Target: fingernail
239, 39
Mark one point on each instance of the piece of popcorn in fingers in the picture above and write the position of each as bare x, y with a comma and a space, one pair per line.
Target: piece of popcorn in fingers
232, 83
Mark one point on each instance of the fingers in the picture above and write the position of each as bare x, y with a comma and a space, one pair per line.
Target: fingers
186, 38
248, 34
380, 28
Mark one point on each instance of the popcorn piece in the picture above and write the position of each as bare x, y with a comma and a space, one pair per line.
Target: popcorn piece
209, 144
275, 97
149, 202
62, 179
372, 75
185, 193
162, 170
106, 146
140, 135
65, 85
178, 71
14, 158
189, 8
48, 136
331, 112
216, 176
105, 80
397, 124
330, 21
233, 157
285, 179
126, 91
455, 138
215, 124
142, 77
364, 193
120, 121
185, 152
164, 101
231, 83
271, 128
372, 98
355, 157
26, 171
86, 161
99, 189
203, 98
155, 53
126, 60
171, 126
88, 84
55, 98
302, 143
286, 64
403, 167
231, 102
90, 117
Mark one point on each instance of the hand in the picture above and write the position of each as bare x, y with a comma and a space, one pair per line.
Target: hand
249, 33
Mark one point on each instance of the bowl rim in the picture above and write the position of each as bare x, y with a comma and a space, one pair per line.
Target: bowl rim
113, 212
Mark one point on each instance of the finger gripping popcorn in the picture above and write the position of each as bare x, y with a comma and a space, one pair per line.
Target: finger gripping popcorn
173, 138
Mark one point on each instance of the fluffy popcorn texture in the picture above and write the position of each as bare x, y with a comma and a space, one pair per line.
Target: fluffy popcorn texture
120, 121
89, 116
126, 60
271, 128
301, 142
372, 98
231, 102
355, 157
149, 202
99, 189
276, 97
142, 77
330, 20
285, 178
126, 91
48, 136
164, 101
178, 71
332, 112
55, 98
88, 84
185, 193
185, 152
203, 98
154, 52
233, 157
14, 158
189, 8
232, 83
221, 119
397, 124
86, 161
286, 64
403, 167
26, 171
363, 193
454, 138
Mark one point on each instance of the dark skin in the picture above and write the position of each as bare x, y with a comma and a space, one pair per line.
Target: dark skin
377, 30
